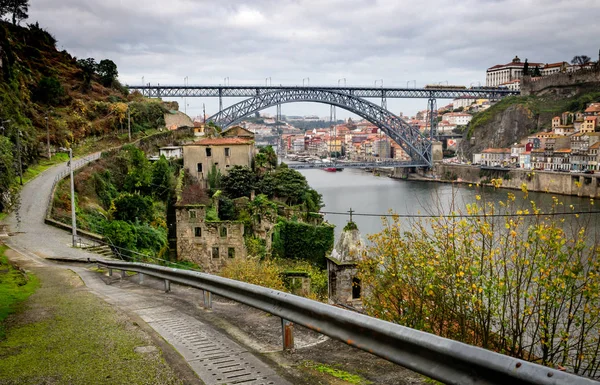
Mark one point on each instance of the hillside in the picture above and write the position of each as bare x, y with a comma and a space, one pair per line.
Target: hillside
515, 117
81, 99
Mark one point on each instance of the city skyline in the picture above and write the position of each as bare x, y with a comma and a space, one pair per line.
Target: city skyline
288, 41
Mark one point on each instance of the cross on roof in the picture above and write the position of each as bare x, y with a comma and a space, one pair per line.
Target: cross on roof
351, 211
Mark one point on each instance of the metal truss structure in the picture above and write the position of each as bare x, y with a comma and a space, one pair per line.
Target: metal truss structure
385, 163
361, 92
417, 146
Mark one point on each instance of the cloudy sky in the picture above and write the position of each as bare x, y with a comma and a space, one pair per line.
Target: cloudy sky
363, 41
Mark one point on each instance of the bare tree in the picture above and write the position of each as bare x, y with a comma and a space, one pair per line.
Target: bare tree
581, 60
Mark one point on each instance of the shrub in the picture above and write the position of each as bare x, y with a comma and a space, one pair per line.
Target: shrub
253, 270
526, 285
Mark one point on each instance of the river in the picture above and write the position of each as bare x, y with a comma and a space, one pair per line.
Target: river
366, 193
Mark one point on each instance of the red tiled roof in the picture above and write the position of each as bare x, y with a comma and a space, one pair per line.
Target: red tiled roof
594, 107
595, 145
221, 141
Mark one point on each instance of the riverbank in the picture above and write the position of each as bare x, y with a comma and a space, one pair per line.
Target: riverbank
579, 185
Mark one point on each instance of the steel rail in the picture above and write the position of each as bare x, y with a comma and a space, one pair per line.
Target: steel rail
439, 358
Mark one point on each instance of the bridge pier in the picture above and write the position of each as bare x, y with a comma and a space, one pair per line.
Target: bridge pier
287, 332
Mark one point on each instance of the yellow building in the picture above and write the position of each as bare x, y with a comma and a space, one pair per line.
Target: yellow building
588, 125
224, 153
334, 145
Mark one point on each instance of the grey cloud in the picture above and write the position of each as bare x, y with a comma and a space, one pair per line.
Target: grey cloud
361, 40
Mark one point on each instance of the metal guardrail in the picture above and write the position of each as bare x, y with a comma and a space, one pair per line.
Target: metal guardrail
436, 357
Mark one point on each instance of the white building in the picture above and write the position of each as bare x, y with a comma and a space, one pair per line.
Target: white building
171, 152
462, 102
504, 73
457, 118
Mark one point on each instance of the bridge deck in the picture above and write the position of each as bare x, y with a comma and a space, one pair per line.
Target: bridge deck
314, 165
363, 92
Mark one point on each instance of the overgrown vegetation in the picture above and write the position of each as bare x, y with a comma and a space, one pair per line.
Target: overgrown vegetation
545, 107
123, 197
525, 285
43, 90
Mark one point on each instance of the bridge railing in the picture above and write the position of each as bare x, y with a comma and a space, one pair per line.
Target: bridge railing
442, 359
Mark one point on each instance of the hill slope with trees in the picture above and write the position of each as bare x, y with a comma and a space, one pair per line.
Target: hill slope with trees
47, 95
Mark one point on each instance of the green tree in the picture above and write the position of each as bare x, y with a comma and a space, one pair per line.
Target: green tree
291, 186
239, 182
7, 170
227, 210
88, 69
132, 208
214, 178
18, 9
537, 72
107, 70
162, 178
271, 156
49, 91
266, 185
121, 234
526, 68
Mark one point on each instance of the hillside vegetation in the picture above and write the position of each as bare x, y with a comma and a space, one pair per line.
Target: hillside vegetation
515, 117
42, 88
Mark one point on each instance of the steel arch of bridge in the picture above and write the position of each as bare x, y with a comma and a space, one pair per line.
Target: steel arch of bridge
409, 138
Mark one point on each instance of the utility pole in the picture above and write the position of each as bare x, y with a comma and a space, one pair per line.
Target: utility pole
19, 152
48, 136
129, 122
73, 216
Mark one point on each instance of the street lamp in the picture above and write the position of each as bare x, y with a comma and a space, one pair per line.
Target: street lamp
48, 134
339, 80
307, 82
268, 82
379, 80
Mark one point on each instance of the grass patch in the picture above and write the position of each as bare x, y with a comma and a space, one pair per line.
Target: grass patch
68, 336
43, 165
337, 373
3, 215
15, 287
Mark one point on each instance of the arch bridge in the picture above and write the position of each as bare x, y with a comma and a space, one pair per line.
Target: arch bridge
412, 141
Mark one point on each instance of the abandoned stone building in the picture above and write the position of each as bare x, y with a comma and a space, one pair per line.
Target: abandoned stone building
223, 152
207, 243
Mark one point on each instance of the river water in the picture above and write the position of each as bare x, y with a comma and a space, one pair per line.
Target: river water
366, 193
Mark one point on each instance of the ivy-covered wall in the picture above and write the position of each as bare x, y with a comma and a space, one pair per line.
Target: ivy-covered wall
296, 240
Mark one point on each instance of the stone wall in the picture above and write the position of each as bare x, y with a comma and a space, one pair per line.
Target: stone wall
539, 85
583, 185
197, 239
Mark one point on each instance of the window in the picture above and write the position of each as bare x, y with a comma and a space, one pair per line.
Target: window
355, 288
197, 231
215, 252
208, 151
192, 214
199, 167
223, 232
231, 252
227, 152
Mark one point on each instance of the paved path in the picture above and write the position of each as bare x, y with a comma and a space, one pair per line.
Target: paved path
213, 356
27, 223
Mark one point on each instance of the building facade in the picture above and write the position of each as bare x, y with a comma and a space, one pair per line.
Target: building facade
223, 153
